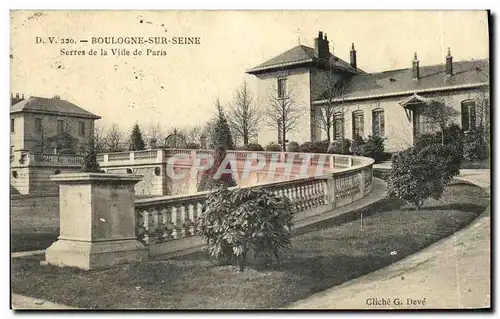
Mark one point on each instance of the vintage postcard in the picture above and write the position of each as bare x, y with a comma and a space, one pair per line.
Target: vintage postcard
250, 160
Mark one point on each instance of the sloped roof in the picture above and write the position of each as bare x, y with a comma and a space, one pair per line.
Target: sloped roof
431, 77
300, 54
57, 106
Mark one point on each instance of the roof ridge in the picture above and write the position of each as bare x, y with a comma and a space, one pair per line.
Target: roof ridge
426, 66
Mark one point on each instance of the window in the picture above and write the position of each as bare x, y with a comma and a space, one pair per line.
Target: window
358, 123
378, 123
468, 115
281, 88
338, 127
81, 128
12, 122
60, 126
38, 125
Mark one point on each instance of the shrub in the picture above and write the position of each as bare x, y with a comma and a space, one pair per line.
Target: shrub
474, 147
307, 147
373, 147
321, 146
236, 221
340, 146
208, 180
193, 146
453, 136
357, 143
273, 147
420, 173
293, 147
90, 164
254, 147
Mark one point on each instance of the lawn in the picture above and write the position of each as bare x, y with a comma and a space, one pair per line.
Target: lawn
323, 255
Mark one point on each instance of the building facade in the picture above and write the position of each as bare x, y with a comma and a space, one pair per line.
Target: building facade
49, 125
47, 136
339, 99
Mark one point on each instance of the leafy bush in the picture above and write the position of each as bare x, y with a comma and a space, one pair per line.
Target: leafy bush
340, 146
236, 221
357, 143
209, 180
254, 147
193, 146
90, 164
474, 147
373, 147
453, 137
292, 147
321, 146
307, 147
273, 147
420, 173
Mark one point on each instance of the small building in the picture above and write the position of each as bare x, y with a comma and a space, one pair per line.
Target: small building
47, 136
386, 104
49, 125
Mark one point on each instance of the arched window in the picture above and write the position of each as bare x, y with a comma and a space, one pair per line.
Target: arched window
468, 115
338, 126
378, 122
358, 123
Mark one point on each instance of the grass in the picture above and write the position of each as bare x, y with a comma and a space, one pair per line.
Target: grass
323, 255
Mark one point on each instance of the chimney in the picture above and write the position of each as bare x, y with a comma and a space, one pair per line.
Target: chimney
318, 43
326, 48
416, 71
353, 57
321, 46
56, 97
17, 95
449, 63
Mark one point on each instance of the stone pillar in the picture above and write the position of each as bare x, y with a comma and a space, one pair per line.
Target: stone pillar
97, 221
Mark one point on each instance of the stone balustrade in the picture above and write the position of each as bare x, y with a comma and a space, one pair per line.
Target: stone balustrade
162, 220
102, 224
57, 159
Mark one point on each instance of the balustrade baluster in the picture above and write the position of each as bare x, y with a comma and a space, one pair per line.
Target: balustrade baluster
316, 197
307, 203
183, 221
140, 229
175, 220
156, 229
147, 221
166, 224
191, 218
300, 197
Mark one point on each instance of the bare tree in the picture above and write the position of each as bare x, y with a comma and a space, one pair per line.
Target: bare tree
333, 90
114, 139
155, 131
283, 112
98, 139
244, 115
193, 134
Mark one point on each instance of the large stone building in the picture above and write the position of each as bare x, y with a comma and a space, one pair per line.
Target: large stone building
47, 137
387, 103
49, 125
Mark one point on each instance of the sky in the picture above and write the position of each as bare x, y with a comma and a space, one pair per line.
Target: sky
179, 89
